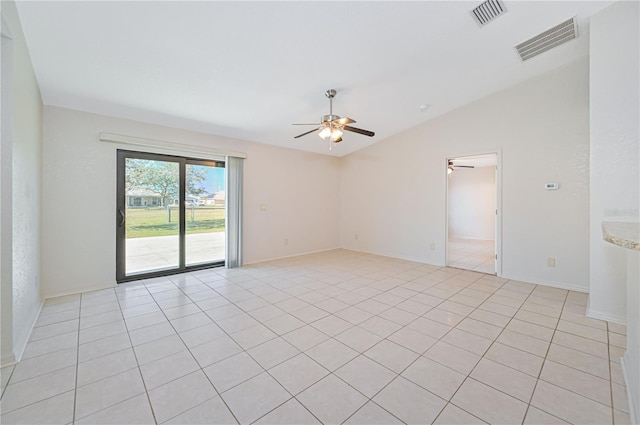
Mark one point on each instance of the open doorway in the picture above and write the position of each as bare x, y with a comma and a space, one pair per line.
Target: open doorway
472, 212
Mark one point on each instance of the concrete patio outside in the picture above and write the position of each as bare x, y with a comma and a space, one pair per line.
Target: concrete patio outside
161, 252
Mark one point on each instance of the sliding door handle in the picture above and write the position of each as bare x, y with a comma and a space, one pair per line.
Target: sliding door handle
121, 223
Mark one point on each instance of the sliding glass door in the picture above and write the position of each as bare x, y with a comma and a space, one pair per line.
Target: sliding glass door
171, 214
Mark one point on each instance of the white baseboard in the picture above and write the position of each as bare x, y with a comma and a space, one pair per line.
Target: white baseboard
633, 390
20, 350
264, 260
77, 291
594, 314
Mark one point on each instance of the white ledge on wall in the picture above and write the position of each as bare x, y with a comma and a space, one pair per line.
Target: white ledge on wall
180, 147
626, 235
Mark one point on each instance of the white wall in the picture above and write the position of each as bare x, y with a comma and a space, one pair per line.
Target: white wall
393, 193
472, 203
79, 201
24, 172
614, 149
615, 174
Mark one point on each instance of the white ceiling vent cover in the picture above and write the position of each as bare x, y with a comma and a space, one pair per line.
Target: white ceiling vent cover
549, 39
487, 12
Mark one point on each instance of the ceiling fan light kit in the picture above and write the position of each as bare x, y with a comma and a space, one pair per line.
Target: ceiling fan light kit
331, 126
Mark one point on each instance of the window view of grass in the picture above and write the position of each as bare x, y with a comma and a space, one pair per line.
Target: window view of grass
149, 222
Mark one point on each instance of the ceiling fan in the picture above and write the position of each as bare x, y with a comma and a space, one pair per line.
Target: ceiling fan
451, 166
331, 126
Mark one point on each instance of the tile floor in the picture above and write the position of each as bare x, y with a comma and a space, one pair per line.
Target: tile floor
472, 254
336, 337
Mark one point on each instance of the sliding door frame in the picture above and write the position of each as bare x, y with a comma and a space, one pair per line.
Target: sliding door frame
121, 237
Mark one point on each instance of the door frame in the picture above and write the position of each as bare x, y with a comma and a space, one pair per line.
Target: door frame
121, 241
498, 206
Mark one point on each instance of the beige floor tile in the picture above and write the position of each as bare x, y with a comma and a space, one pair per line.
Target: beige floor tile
135, 410
176, 397
252, 336
273, 352
467, 341
284, 323
531, 329
54, 329
524, 342
331, 400
331, 325
579, 360
579, 343
331, 354
54, 410
110, 391
620, 399
453, 357
168, 369
145, 320
434, 377
39, 388
289, 413
488, 403
155, 350
41, 365
372, 414
379, 326
365, 375
583, 330
212, 411
429, 327
391, 355
621, 418
105, 366
493, 307
354, 315
305, 337
505, 379
409, 402
453, 415
358, 338
618, 340
490, 318
538, 417
398, 316
569, 406
214, 351
444, 317
230, 372
50, 345
298, 373
480, 328
309, 314
412, 340
579, 382
617, 328
201, 334
579, 317
516, 359
538, 319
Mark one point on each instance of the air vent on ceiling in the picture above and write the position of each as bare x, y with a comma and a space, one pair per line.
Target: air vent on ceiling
488, 11
549, 39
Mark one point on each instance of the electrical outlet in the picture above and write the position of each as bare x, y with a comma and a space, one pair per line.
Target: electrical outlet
286, 241
551, 262
432, 246
355, 236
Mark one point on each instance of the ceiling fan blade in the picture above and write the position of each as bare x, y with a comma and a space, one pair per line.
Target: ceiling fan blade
310, 131
463, 166
315, 123
359, 131
344, 121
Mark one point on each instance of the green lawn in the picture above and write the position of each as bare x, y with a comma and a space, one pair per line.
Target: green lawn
147, 222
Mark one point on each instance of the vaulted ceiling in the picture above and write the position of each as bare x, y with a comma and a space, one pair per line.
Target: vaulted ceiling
249, 70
